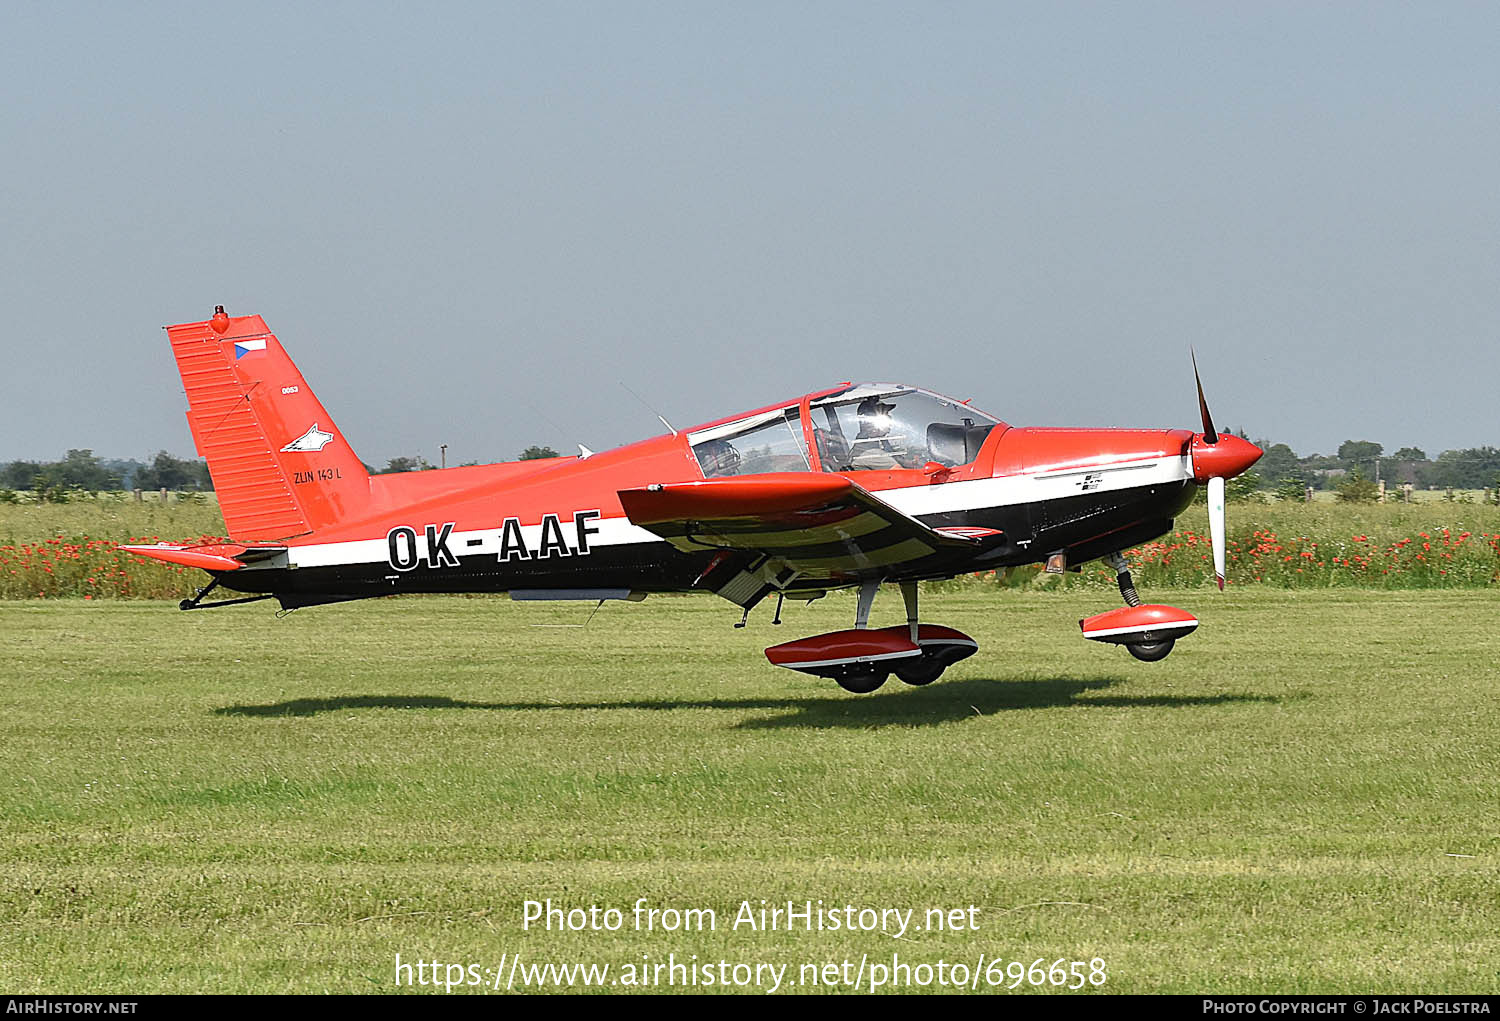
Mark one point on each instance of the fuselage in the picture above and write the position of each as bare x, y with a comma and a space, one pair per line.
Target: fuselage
558, 524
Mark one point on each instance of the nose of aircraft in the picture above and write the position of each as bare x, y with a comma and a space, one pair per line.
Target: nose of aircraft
1225, 459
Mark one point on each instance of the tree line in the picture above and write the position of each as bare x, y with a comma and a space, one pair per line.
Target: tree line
421, 464
83, 471
1468, 468
1280, 469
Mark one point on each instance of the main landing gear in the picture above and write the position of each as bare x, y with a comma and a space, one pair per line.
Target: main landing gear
861, 658
1148, 631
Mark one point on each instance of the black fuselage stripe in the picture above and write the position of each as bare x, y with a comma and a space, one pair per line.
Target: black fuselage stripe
1086, 524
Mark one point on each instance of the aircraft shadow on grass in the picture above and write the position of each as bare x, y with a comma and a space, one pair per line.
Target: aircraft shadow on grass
898, 706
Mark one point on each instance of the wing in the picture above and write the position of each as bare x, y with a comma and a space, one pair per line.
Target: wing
825, 528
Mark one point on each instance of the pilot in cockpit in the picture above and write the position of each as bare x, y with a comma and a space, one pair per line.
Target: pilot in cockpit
874, 447
718, 458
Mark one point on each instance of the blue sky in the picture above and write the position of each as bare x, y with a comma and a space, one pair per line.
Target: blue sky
469, 224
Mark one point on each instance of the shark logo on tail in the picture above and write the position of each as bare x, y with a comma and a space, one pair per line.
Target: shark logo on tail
312, 440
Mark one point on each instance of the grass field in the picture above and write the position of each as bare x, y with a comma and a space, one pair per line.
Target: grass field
1302, 798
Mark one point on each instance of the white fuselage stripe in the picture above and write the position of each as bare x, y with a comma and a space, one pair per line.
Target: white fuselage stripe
1161, 626
1007, 490
841, 660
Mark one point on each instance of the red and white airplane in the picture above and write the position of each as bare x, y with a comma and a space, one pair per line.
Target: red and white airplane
852, 486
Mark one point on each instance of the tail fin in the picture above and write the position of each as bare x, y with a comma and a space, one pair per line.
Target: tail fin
279, 465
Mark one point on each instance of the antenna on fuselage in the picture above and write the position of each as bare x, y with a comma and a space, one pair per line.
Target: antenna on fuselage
583, 452
670, 428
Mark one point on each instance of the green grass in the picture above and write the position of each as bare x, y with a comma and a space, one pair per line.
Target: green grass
116, 516
1329, 515
223, 801
1418, 496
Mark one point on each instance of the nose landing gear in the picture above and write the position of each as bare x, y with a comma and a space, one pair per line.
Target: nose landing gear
1148, 631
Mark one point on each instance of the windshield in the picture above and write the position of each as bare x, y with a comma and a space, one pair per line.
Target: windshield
874, 426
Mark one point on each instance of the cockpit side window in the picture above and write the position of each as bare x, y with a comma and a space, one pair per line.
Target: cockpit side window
898, 428
772, 443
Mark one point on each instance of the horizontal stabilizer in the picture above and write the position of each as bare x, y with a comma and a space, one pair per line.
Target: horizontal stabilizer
216, 557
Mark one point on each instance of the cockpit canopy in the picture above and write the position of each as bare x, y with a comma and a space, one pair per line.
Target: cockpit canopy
870, 426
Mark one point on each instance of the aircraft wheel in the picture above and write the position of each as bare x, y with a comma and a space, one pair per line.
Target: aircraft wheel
862, 681
924, 672
1150, 652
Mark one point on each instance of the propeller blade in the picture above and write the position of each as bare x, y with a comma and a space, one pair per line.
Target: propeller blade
1216, 525
1210, 435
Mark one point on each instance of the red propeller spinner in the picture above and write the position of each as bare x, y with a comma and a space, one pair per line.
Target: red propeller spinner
1225, 459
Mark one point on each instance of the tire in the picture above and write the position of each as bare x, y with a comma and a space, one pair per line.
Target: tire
862, 681
923, 672
1150, 652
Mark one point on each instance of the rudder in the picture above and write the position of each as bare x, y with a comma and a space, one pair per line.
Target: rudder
279, 465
